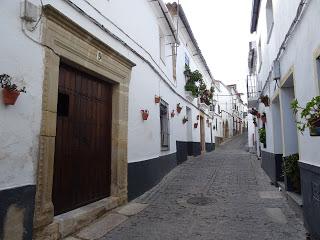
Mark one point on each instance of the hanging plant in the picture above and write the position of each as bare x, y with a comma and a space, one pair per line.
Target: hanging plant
145, 114
10, 90
310, 116
173, 113
157, 99
179, 108
265, 100
291, 170
184, 120
253, 111
193, 80
264, 117
255, 122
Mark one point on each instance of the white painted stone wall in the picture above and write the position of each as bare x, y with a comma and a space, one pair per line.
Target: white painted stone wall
299, 56
23, 59
19, 124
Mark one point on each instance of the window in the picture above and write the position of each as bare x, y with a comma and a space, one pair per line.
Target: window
219, 109
164, 126
162, 45
186, 59
270, 20
216, 124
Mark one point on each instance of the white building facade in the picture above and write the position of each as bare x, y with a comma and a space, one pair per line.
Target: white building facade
284, 65
105, 114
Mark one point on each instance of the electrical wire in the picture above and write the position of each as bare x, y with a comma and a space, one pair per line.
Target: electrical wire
102, 27
39, 19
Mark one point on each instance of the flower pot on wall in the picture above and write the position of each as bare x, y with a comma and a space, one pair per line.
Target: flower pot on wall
10, 96
184, 120
145, 115
195, 125
315, 130
173, 113
179, 108
157, 99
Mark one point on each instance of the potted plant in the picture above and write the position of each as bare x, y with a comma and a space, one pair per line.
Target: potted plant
264, 117
255, 122
258, 115
145, 114
187, 71
262, 135
265, 100
310, 116
195, 125
179, 108
184, 120
157, 99
172, 113
253, 111
291, 173
10, 90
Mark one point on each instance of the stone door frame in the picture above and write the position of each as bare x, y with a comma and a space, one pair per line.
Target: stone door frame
66, 41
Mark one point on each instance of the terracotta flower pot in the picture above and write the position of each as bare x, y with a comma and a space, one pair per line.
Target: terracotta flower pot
179, 108
264, 119
184, 120
145, 114
172, 113
10, 97
157, 99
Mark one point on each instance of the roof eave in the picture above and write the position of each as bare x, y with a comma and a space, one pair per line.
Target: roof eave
255, 15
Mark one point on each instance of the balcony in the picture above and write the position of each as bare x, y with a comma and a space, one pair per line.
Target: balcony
253, 91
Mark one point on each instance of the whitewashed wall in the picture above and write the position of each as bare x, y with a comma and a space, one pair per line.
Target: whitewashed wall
19, 124
298, 55
23, 59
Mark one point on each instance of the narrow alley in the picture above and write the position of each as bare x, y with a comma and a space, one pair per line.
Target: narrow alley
222, 195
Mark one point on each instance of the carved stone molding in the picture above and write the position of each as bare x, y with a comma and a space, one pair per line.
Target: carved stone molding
68, 42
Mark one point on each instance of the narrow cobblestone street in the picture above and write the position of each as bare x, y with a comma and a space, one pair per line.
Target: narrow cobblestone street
236, 202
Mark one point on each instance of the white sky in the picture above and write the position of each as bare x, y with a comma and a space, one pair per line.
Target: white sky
222, 30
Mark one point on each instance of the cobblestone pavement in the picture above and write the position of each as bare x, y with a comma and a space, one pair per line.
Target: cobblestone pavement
240, 203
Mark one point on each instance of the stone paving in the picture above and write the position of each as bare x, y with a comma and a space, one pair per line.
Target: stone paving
223, 195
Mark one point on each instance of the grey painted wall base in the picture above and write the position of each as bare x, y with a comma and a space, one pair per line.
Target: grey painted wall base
194, 149
310, 186
272, 165
210, 147
182, 152
16, 212
142, 176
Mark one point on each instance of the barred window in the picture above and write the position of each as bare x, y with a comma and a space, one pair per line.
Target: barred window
164, 126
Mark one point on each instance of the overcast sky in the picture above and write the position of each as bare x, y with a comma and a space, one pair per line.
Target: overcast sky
222, 31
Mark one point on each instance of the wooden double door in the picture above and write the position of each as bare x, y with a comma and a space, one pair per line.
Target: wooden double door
82, 164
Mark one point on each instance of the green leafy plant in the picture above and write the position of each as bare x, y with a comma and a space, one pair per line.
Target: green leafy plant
310, 115
262, 135
6, 82
194, 79
291, 169
196, 85
265, 100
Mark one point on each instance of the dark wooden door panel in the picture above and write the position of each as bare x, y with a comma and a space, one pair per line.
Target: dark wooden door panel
82, 167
